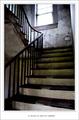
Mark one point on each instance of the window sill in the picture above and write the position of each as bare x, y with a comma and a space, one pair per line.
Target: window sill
46, 27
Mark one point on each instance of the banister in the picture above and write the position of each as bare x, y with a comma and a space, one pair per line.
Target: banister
20, 13
21, 52
28, 20
20, 67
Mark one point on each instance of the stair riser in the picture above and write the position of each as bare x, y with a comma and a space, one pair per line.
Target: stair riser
28, 106
51, 81
48, 93
56, 65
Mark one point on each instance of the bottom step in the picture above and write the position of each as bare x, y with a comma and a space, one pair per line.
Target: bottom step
29, 106
51, 102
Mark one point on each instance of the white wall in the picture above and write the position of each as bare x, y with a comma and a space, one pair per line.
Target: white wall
72, 8
56, 37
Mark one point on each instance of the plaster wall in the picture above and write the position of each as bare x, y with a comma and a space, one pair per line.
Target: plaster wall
30, 12
13, 42
56, 37
72, 8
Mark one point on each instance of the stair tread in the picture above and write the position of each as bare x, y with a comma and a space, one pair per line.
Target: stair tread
57, 50
63, 47
37, 106
55, 65
54, 72
56, 59
62, 103
68, 62
50, 87
57, 54
52, 81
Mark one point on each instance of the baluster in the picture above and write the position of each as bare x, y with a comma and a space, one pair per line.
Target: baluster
37, 49
9, 88
23, 22
14, 77
21, 68
18, 75
25, 68
6, 5
18, 12
9, 6
30, 34
24, 25
27, 27
12, 8
42, 41
34, 54
34, 35
19, 16
30, 59
15, 10
28, 66
37, 34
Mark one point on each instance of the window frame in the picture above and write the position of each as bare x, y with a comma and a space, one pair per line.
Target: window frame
49, 26
42, 14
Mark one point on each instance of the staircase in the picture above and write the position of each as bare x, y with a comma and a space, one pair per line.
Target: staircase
38, 78
51, 86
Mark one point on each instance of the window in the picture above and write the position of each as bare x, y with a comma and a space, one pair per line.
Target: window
44, 14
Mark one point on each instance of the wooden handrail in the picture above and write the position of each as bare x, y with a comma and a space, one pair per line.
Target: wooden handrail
20, 67
22, 51
28, 20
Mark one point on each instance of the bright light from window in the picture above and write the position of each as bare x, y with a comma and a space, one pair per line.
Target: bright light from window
44, 13
45, 19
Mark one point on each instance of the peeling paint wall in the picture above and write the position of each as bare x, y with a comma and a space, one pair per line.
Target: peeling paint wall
30, 12
56, 37
13, 42
72, 8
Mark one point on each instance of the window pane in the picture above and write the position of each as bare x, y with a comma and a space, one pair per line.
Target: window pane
45, 19
44, 8
41, 6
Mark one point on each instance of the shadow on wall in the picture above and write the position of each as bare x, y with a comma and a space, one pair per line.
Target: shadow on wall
56, 37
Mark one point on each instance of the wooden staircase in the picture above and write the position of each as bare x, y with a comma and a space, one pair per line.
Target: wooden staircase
51, 86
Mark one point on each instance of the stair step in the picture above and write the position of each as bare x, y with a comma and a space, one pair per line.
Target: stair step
56, 59
49, 87
57, 50
55, 72
60, 103
55, 65
37, 106
57, 54
52, 81
44, 92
